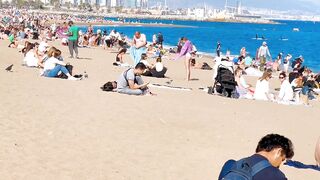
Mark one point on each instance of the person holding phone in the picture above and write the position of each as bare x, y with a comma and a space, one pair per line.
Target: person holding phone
131, 83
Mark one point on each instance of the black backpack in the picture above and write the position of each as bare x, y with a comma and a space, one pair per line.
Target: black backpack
241, 170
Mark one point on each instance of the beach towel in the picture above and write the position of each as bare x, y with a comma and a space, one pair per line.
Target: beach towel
170, 87
136, 54
187, 48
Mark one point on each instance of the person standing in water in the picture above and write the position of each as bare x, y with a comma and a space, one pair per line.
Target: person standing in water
218, 49
263, 53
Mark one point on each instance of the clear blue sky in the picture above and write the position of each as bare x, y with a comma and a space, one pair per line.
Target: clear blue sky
302, 5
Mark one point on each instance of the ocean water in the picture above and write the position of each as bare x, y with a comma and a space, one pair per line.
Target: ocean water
234, 36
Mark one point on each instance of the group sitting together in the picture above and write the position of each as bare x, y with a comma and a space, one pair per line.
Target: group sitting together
48, 59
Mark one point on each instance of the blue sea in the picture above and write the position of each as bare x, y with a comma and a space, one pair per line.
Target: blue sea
234, 36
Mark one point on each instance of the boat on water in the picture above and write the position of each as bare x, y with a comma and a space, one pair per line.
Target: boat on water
296, 29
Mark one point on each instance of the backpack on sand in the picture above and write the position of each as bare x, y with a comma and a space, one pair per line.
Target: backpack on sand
241, 170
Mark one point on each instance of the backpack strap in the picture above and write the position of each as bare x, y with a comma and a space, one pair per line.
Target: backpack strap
260, 166
125, 74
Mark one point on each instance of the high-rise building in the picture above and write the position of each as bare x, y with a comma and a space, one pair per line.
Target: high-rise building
129, 3
138, 3
113, 3
144, 3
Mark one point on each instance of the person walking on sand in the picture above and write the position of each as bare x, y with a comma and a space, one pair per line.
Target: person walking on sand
263, 53
73, 39
187, 50
138, 47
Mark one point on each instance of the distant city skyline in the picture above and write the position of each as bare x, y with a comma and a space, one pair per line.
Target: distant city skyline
297, 5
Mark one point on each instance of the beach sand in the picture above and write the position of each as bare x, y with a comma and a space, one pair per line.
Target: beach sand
60, 129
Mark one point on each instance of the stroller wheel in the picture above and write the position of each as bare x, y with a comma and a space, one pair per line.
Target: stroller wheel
225, 93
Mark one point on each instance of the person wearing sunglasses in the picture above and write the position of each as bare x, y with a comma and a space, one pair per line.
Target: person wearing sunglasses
286, 91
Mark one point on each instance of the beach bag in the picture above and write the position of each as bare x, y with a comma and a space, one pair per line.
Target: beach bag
241, 170
64, 76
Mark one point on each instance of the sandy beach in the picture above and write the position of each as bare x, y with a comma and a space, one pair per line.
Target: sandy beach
60, 129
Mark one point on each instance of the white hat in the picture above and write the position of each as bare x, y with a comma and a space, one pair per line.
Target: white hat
264, 43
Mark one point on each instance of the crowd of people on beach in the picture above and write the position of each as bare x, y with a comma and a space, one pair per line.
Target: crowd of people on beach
298, 83
32, 34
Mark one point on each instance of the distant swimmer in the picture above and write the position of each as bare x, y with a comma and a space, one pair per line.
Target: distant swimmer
257, 37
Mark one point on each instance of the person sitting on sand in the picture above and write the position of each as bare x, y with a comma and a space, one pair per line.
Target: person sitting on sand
262, 87
31, 58
46, 56
155, 70
244, 90
131, 83
317, 153
138, 47
13, 41
273, 149
200, 65
286, 92
297, 85
53, 66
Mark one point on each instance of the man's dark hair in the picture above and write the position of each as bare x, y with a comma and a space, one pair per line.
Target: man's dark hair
141, 66
70, 23
272, 141
283, 74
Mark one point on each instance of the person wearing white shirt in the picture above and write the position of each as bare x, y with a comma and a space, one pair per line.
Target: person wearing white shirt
244, 90
286, 91
262, 87
53, 66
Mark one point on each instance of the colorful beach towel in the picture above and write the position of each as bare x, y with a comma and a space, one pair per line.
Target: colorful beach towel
136, 54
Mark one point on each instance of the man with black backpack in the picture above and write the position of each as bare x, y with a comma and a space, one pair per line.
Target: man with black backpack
271, 151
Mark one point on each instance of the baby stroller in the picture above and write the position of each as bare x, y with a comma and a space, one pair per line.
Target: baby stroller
225, 83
